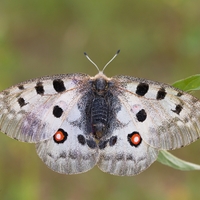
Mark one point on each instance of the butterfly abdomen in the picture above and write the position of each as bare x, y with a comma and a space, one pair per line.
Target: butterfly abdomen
99, 116
99, 108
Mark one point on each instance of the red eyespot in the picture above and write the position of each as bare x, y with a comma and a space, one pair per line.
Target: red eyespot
134, 139
60, 136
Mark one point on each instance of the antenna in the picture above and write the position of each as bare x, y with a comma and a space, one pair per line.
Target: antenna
111, 59
91, 61
106, 63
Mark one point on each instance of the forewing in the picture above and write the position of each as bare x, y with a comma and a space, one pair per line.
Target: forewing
32, 111
166, 118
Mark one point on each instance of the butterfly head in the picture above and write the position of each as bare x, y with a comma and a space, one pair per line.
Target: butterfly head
100, 84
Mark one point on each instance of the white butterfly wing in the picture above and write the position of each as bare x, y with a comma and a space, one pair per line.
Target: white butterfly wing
166, 118
153, 116
32, 111
120, 156
73, 154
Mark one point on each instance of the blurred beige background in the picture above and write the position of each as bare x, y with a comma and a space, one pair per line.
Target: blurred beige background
159, 40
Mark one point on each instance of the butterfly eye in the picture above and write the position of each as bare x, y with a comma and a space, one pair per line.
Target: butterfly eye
60, 136
134, 139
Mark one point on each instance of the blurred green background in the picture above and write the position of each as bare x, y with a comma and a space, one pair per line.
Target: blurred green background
159, 40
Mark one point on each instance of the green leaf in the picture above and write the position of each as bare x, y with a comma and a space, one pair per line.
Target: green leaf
188, 84
168, 159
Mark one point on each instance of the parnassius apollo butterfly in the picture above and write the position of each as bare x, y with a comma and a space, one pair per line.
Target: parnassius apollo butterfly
118, 123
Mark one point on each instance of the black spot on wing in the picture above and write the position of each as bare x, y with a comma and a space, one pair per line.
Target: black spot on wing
21, 102
142, 89
178, 109
21, 87
39, 88
141, 115
113, 141
161, 94
81, 139
103, 144
58, 85
91, 144
179, 94
57, 111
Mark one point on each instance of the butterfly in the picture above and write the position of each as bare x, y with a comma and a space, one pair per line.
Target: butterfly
119, 124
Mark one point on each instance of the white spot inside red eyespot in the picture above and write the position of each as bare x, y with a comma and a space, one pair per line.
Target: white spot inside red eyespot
134, 139
59, 136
